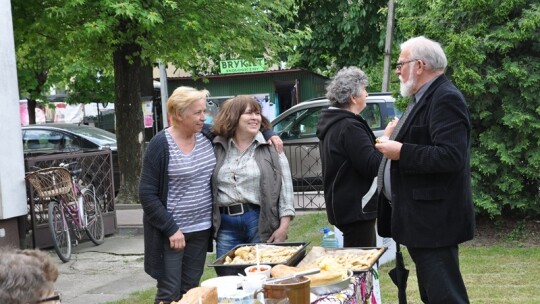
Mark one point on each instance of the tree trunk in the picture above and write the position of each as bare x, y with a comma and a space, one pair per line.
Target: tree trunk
31, 108
41, 79
129, 120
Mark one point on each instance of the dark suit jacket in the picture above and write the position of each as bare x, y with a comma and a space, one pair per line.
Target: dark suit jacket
431, 184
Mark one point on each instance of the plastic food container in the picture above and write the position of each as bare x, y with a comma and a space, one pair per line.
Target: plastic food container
258, 270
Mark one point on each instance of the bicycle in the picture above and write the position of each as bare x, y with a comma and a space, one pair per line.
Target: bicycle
72, 207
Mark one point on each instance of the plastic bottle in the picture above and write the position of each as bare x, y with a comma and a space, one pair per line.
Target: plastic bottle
329, 239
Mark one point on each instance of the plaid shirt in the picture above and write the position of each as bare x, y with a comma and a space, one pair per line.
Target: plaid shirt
239, 179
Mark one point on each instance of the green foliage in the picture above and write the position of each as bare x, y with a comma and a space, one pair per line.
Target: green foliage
39, 62
96, 39
493, 50
517, 233
90, 85
342, 33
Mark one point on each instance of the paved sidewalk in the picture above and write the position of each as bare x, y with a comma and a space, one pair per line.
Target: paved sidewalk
110, 271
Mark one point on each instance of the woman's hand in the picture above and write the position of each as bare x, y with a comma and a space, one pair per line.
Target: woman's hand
177, 240
280, 235
390, 127
277, 143
391, 149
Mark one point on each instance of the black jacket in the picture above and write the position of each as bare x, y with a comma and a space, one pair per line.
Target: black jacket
349, 164
431, 182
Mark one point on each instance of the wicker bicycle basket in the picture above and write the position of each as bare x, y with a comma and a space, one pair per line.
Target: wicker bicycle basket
50, 182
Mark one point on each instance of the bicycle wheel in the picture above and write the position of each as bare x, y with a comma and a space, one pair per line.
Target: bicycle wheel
93, 217
59, 231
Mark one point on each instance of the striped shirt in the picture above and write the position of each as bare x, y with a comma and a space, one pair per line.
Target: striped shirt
190, 195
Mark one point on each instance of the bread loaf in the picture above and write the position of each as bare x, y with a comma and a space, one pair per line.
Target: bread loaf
280, 271
204, 295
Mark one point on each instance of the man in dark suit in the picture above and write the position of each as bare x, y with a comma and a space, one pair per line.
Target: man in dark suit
425, 202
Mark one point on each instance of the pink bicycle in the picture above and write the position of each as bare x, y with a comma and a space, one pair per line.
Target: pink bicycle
72, 207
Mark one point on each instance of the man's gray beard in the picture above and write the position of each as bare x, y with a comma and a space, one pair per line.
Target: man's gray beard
406, 89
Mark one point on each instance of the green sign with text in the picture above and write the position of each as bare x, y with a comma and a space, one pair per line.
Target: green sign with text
241, 66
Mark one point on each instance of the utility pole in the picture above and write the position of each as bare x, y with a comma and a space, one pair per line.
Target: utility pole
388, 47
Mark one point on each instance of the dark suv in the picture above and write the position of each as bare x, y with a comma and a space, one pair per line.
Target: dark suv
297, 127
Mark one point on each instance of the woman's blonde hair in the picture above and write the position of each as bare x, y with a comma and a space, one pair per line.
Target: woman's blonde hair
226, 121
182, 98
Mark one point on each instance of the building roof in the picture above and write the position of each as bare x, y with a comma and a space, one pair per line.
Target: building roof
251, 74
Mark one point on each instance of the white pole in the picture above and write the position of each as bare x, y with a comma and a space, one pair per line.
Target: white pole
164, 93
12, 184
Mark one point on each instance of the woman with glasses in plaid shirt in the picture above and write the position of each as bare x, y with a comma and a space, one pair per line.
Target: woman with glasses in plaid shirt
252, 183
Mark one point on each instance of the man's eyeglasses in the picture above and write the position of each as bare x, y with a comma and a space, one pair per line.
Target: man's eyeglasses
55, 299
399, 65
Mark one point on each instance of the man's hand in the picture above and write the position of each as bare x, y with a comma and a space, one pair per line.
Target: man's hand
277, 143
390, 148
177, 240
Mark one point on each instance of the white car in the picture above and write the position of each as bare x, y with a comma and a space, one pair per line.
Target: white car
297, 127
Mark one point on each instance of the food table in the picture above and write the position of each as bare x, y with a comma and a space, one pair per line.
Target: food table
355, 288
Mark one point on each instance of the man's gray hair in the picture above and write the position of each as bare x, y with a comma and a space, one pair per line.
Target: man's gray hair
427, 50
349, 81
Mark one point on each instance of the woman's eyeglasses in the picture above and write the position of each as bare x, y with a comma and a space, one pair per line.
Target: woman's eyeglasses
55, 299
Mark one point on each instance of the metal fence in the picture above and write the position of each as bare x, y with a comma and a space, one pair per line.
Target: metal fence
305, 163
96, 169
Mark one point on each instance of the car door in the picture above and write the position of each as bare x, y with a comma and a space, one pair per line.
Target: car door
298, 132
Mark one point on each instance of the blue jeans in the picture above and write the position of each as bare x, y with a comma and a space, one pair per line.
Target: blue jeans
237, 229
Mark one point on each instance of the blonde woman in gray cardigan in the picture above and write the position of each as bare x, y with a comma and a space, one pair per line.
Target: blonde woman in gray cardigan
252, 183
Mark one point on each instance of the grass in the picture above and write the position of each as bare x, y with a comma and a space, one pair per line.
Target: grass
493, 274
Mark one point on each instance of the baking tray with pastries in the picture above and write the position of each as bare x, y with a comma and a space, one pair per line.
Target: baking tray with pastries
356, 259
241, 256
337, 266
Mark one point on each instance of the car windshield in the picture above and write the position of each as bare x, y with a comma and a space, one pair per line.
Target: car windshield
96, 135
393, 111
301, 124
